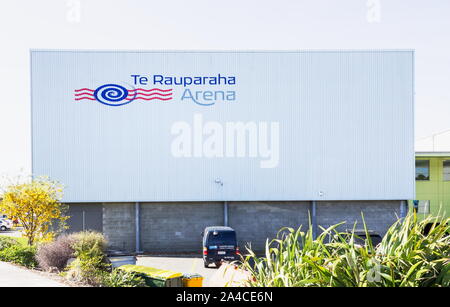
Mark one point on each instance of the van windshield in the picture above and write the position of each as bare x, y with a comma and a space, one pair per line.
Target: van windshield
222, 238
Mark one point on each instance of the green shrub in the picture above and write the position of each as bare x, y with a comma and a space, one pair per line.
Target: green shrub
89, 242
55, 255
405, 257
409, 258
119, 278
88, 268
6, 242
90, 265
23, 255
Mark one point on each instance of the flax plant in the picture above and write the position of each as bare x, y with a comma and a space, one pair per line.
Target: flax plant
405, 257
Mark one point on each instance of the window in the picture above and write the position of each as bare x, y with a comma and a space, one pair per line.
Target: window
446, 167
422, 170
222, 238
421, 206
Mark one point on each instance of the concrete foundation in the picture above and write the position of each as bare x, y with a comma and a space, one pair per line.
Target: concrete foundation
119, 226
176, 227
378, 216
254, 222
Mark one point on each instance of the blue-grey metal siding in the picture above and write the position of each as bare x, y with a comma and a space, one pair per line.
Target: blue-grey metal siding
345, 117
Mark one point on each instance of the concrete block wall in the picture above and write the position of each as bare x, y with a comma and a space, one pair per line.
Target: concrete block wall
378, 215
119, 226
177, 227
254, 222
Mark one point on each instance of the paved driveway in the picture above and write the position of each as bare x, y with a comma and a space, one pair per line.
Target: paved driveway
179, 264
13, 276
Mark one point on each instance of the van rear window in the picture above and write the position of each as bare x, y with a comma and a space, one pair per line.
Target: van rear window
222, 238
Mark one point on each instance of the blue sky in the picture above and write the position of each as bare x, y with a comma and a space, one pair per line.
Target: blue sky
200, 24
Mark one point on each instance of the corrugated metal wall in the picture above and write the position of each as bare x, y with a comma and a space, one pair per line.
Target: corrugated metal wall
345, 117
85, 216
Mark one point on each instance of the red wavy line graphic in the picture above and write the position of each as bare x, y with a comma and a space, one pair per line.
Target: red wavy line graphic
89, 94
133, 90
152, 98
134, 94
137, 93
136, 89
151, 94
89, 98
129, 96
153, 89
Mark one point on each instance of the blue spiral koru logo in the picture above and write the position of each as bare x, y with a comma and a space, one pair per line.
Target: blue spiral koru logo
112, 95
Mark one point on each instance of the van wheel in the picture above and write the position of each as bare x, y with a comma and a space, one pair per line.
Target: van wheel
218, 264
3, 228
206, 264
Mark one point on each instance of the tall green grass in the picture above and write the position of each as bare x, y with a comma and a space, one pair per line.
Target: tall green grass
405, 257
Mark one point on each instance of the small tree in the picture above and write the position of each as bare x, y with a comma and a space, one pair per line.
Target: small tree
36, 204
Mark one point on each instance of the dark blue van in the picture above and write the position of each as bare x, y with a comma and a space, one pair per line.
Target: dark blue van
219, 243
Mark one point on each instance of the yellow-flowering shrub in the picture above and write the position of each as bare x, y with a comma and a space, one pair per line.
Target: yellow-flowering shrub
36, 204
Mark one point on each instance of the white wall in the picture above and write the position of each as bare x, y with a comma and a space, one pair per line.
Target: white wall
345, 126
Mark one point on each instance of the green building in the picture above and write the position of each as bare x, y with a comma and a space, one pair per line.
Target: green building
432, 183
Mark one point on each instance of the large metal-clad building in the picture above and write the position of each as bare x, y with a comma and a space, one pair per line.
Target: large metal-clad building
153, 146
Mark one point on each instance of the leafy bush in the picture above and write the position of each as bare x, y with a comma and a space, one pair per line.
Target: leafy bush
119, 278
23, 255
54, 255
90, 242
405, 257
6, 242
409, 258
90, 264
88, 268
